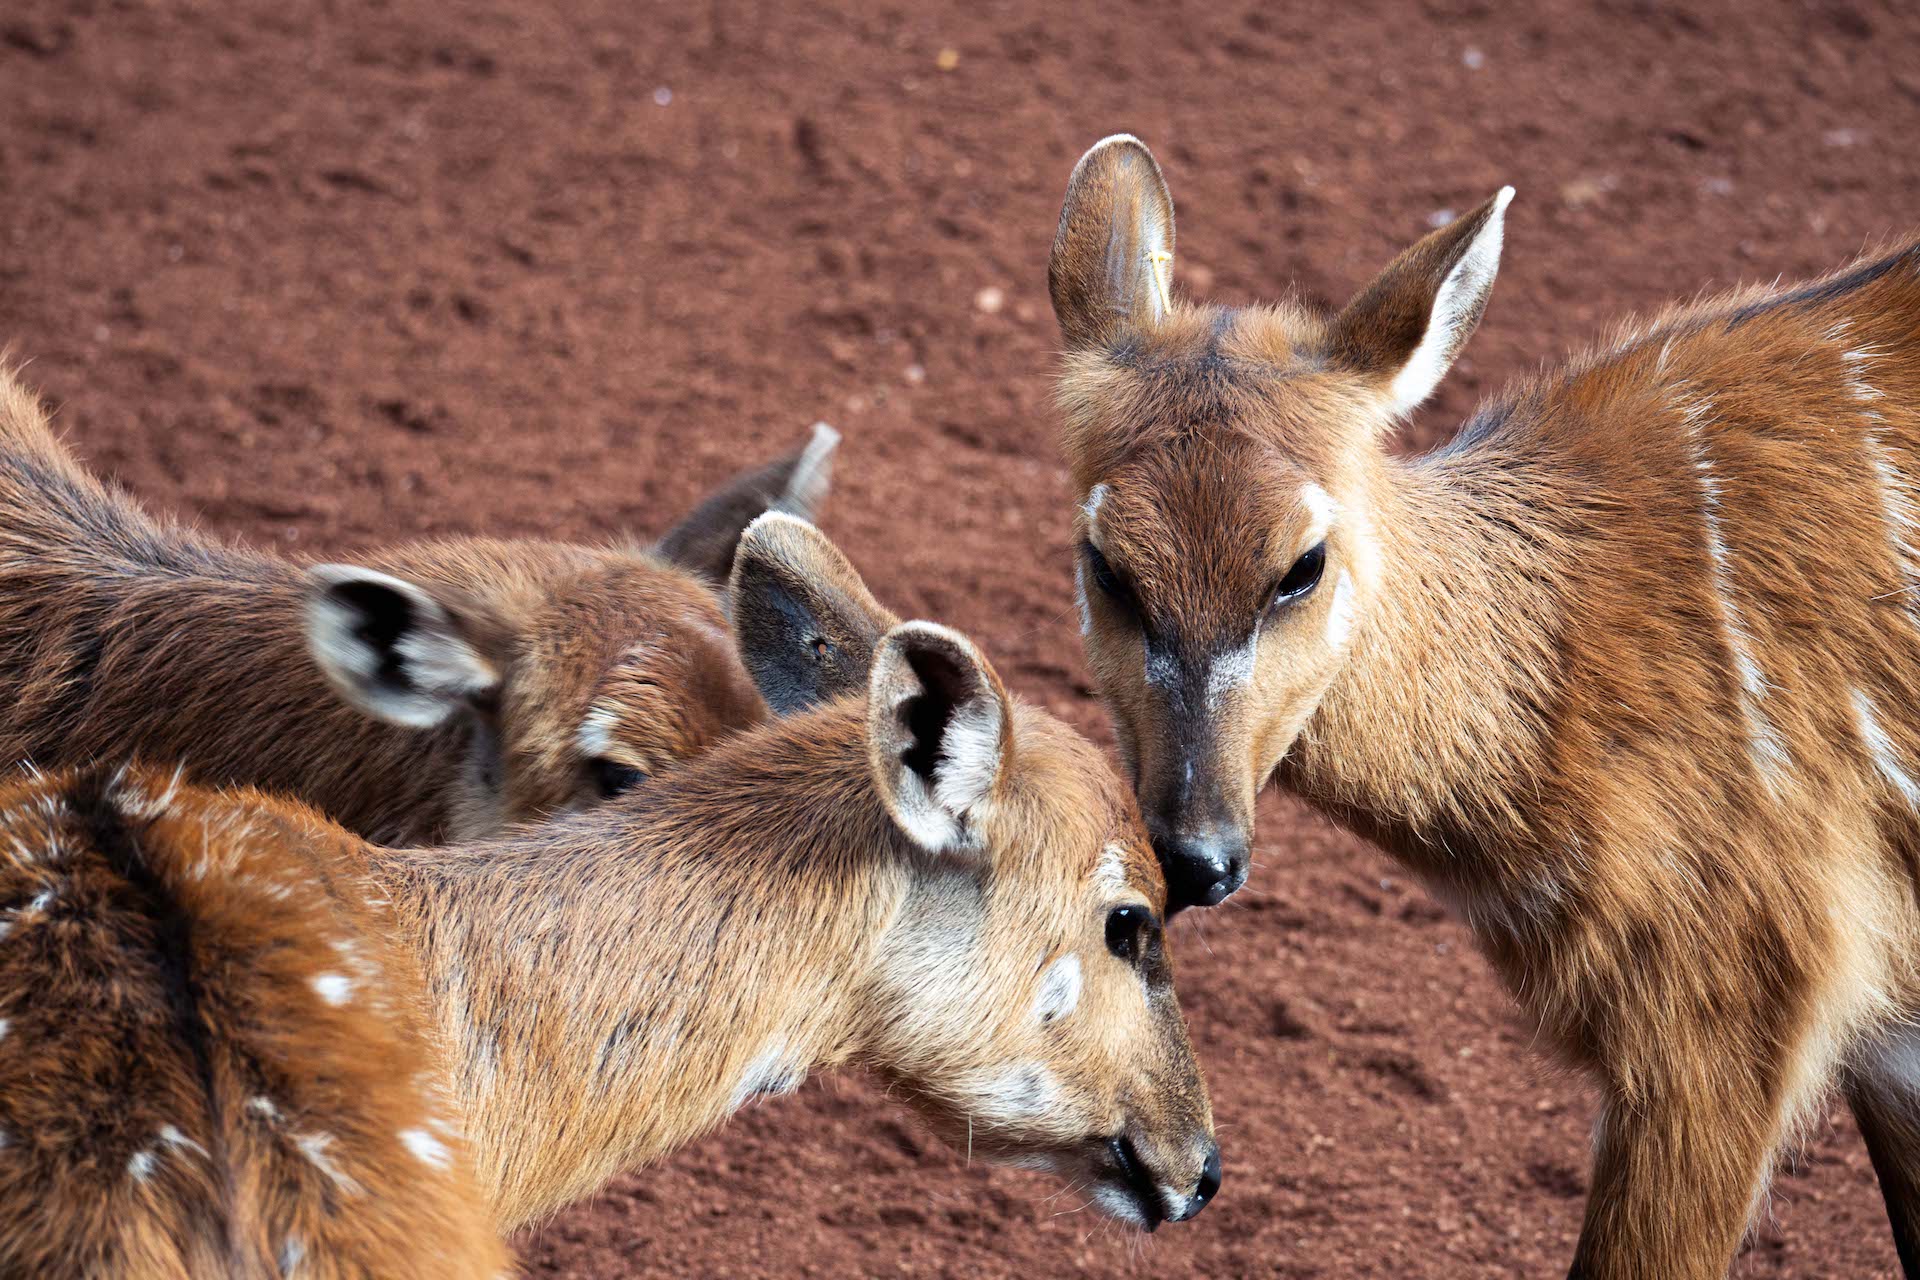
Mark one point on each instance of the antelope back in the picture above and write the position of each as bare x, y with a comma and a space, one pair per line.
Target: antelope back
1023, 996
214, 1061
440, 690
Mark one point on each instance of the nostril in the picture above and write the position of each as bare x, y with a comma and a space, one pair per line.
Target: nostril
1209, 1183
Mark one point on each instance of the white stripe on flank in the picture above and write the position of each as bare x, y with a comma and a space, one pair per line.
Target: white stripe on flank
1880, 746
1902, 516
1763, 742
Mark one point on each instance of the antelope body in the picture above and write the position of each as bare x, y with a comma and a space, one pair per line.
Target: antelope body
441, 691
239, 1041
1628, 672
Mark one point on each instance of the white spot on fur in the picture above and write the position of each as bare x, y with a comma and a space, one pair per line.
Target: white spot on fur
292, 1253
1340, 612
1885, 758
426, 1148
172, 1137
5, 1025
1455, 307
1322, 509
1162, 668
141, 1166
334, 988
41, 901
773, 1071
263, 1106
315, 1147
1769, 757
1080, 597
1059, 989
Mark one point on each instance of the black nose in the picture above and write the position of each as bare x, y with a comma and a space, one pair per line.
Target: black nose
1203, 865
1209, 1183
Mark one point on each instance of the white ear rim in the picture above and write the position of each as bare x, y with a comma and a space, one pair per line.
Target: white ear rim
445, 670
1457, 305
937, 818
1155, 244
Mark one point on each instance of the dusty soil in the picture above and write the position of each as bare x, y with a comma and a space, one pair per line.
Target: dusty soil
326, 272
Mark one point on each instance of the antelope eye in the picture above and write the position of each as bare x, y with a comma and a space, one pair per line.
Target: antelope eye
612, 777
1111, 585
1126, 931
1303, 577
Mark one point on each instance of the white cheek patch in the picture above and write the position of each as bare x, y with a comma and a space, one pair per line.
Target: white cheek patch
1059, 989
1020, 1094
1340, 612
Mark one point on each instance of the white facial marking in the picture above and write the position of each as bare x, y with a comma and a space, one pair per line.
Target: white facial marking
1340, 612
1023, 1092
596, 732
1455, 306
1096, 498
426, 1148
334, 988
1059, 989
1231, 671
1885, 758
1080, 597
1769, 757
1111, 874
1162, 669
773, 1071
1322, 508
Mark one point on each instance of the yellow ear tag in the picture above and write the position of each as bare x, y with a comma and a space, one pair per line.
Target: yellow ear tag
1160, 262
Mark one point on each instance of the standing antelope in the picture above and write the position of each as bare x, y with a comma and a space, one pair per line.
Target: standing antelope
234, 1038
1629, 672
459, 685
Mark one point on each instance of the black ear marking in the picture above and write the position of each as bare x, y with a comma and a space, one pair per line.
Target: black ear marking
382, 616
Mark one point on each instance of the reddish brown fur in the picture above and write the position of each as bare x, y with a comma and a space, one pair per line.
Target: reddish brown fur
1632, 678
124, 634
599, 989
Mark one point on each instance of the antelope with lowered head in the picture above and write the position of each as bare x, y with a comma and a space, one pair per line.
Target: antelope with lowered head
1628, 671
437, 692
238, 1038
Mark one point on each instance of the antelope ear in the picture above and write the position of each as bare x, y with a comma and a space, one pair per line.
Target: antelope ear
938, 735
393, 650
797, 484
1408, 325
1112, 263
806, 623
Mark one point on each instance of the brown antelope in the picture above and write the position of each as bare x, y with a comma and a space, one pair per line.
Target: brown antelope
438, 692
234, 1037
1629, 671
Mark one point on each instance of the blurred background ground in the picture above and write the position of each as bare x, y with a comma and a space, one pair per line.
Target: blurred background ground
326, 273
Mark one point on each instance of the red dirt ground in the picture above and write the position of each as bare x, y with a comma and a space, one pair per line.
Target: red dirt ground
327, 272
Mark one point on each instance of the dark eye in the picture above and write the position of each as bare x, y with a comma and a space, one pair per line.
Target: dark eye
1111, 585
1127, 929
1303, 577
612, 777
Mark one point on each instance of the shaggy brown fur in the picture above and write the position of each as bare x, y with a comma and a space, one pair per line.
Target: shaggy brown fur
215, 1004
570, 671
1629, 672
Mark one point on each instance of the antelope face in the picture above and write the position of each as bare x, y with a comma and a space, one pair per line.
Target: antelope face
573, 674
1023, 998
1228, 553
